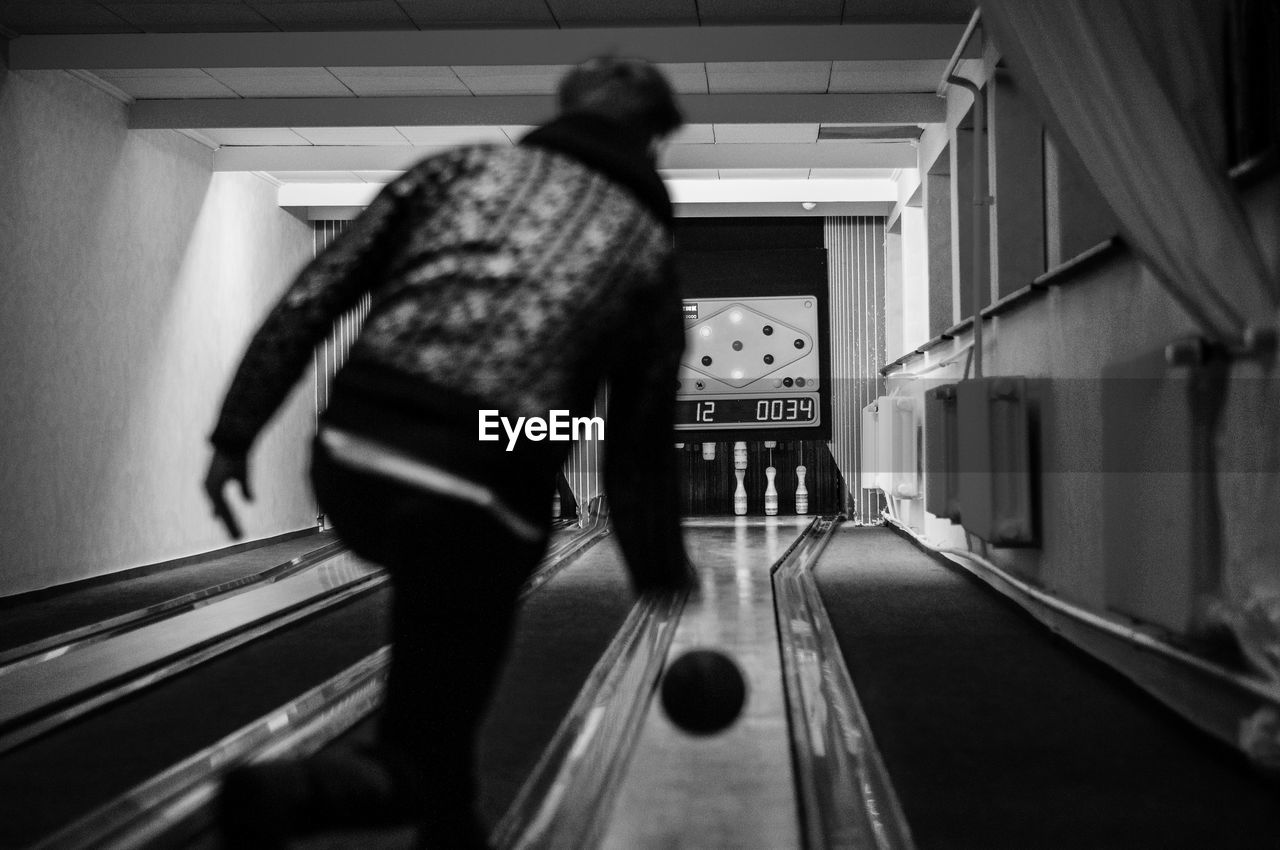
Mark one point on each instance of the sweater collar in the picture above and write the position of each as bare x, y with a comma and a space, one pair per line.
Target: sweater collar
609, 148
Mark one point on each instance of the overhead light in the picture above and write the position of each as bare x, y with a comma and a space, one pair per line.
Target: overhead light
808, 205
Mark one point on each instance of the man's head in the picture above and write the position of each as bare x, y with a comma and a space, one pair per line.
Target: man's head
629, 91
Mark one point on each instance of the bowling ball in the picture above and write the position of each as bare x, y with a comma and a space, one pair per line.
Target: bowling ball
703, 691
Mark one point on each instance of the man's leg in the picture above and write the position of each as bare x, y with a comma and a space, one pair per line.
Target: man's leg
452, 621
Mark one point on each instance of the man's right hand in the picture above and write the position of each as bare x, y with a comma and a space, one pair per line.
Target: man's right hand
225, 467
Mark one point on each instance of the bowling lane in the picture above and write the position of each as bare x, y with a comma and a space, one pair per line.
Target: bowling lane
60, 681
49, 782
998, 734
37, 617
103, 769
735, 788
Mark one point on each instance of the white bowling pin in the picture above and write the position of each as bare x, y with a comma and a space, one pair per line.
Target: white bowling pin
739, 455
770, 493
708, 451
740, 495
802, 493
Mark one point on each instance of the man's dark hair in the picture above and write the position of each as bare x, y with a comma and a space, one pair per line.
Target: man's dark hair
629, 91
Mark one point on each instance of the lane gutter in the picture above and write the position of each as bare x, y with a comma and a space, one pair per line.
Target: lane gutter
846, 797
56, 646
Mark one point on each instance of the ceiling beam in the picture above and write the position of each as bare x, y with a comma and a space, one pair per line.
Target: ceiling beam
401, 157
735, 209
801, 43
878, 190
446, 111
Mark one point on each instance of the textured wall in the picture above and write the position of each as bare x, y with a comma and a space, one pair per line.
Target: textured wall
130, 280
1079, 341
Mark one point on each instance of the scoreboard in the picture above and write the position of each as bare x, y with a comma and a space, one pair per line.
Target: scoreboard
752, 365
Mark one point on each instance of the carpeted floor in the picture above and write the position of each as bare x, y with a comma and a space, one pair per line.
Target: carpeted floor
997, 734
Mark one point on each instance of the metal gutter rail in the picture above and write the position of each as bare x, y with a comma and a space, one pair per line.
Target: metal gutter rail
44, 697
58, 645
844, 790
562, 802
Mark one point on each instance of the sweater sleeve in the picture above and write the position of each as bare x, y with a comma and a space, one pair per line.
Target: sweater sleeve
327, 287
641, 470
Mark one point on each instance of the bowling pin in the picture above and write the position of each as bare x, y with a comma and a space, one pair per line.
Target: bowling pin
770, 493
740, 495
740, 470
555, 504
802, 493
708, 451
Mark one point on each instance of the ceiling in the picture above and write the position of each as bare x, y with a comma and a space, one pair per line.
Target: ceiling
336, 93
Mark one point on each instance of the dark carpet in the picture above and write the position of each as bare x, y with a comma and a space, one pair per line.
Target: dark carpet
998, 734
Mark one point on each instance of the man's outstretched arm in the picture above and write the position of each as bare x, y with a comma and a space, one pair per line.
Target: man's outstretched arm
641, 471
327, 287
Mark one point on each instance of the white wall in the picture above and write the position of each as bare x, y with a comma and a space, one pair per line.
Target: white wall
915, 280
130, 279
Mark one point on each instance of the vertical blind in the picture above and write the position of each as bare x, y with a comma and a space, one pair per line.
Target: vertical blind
332, 353
584, 469
856, 273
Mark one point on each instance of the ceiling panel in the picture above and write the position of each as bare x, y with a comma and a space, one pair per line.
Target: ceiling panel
766, 133
446, 136
191, 17
590, 13
164, 83
387, 82
436, 14
333, 15
869, 133
511, 79
281, 82
909, 11
764, 174
770, 11
693, 134
768, 77
685, 77
266, 136
43, 17
890, 76
352, 135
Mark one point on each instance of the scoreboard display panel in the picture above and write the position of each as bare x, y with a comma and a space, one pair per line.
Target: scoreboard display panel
752, 365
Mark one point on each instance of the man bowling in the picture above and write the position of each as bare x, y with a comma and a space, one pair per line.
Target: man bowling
513, 279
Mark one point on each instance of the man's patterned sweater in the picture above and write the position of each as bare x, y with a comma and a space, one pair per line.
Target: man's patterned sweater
518, 277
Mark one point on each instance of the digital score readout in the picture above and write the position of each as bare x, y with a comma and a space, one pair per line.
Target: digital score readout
748, 412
